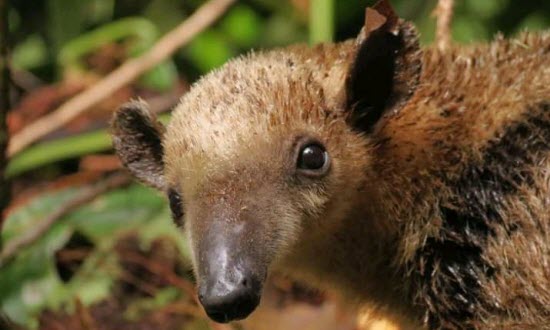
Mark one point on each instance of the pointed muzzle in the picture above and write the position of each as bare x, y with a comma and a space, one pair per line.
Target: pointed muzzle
231, 270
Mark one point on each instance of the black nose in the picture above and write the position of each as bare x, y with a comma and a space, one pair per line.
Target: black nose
225, 301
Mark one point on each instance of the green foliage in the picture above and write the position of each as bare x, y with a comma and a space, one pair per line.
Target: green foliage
30, 53
56, 150
61, 149
243, 26
209, 50
31, 283
143, 35
65, 20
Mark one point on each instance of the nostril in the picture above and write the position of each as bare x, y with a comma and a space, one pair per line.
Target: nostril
231, 305
201, 294
218, 316
249, 283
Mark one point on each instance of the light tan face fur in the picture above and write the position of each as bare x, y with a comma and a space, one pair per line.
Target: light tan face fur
230, 158
235, 137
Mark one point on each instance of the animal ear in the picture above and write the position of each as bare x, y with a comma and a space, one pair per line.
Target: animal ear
386, 67
137, 139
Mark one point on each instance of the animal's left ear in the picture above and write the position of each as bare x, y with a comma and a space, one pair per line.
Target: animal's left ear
386, 67
137, 139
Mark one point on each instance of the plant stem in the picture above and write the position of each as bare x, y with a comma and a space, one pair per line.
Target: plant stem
5, 105
444, 15
321, 21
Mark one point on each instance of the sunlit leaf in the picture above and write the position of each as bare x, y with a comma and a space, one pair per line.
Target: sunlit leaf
209, 50
64, 148
243, 26
30, 53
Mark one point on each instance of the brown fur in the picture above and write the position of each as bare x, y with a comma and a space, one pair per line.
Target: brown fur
438, 214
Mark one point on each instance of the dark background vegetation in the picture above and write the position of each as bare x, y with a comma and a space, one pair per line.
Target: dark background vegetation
41, 28
117, 262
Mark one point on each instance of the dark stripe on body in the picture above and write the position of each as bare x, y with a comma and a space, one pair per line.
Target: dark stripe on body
448, 268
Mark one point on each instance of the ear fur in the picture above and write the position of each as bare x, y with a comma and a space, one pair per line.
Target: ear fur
386, 67
137, 139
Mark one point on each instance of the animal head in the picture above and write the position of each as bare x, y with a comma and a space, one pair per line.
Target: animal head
270, 151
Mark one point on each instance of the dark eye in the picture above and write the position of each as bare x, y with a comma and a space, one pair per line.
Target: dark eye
176, 206
313, 158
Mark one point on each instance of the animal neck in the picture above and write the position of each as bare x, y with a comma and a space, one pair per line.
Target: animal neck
356, 261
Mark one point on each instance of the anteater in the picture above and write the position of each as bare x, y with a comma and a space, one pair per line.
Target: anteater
410, 179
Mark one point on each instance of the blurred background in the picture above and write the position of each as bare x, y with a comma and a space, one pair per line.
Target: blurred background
99, 252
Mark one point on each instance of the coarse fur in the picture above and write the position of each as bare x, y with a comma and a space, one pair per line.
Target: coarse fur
436, 213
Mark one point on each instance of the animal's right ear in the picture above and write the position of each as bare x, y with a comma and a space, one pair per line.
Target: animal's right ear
137, 139
385, 69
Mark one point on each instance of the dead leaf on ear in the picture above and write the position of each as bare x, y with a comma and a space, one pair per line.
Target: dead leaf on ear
373, 20
381, 15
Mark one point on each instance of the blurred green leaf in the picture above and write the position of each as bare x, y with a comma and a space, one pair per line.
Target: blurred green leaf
466, 30
242, 25
30, 282
66, 20
65, 148
26, 217
14, 20
143, 32
209, 50
275, 5
281, 30
30, 53
101, 10
485, 8
166, 14
120, 209
162, 77
143, 35
535, 21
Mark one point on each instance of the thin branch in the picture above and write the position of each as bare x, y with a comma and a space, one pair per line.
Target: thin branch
444, 15
84, 316
160, 270
5, 105
125, 74
85, 196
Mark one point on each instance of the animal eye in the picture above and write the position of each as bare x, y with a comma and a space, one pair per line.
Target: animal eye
313, 158
176, 206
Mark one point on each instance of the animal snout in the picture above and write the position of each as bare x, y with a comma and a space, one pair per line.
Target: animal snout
229, 300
